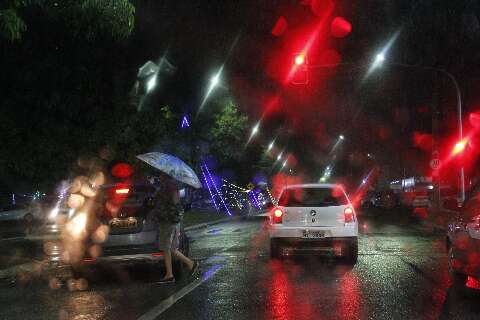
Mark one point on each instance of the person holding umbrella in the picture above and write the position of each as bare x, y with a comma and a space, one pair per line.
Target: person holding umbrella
167, 209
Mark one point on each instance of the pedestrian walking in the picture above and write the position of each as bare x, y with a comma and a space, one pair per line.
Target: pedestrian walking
168, 212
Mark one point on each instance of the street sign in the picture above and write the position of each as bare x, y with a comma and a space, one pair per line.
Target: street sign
435, 163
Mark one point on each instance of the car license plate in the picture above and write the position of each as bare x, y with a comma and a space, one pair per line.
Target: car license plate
308, 234
130, 222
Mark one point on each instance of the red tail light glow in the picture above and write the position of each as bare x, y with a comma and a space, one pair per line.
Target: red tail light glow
122, 191
277, 215
157, 254
348, 215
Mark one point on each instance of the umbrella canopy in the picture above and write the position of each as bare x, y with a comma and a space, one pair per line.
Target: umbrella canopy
172, 166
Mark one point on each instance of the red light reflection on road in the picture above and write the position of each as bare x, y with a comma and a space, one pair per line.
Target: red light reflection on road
289, 299
439, 294
279, 293
350, 297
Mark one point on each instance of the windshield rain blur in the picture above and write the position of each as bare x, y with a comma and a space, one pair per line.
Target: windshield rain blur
254, 159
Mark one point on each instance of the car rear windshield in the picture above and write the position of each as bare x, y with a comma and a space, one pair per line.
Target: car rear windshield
313, 197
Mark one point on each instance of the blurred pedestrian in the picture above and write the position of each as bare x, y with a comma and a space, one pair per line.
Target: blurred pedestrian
168, 212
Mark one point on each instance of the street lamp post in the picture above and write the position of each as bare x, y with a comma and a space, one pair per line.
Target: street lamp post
380, 59
459, 110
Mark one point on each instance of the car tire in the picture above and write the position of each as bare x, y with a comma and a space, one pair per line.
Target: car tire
274, 249
352, 252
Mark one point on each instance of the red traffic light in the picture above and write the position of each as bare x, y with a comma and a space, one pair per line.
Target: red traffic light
459, 147
299, 59
299, 70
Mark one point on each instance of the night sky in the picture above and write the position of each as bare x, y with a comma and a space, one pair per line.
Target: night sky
380, 114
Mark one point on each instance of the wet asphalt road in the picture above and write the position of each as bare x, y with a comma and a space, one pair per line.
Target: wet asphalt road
401, 274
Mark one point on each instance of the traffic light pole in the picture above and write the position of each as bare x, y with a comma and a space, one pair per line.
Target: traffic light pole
420, 67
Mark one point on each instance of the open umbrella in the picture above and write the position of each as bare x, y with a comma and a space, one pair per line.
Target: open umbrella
172, 166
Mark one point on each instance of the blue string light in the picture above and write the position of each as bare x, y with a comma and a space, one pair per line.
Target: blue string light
209, 190
255, 201
219, 194
185, 122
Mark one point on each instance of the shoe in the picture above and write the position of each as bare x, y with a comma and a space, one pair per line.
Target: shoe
194, 268
166, 281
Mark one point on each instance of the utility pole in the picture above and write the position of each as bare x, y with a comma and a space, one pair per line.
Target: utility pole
435, 153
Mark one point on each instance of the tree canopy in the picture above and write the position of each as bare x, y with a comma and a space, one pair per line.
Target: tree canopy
82, 18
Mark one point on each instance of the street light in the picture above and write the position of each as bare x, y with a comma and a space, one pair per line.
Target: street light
254, 132
151, 83
459, 147
270, 146
341, 137
255, 129
379, 58
300, 59
214, 81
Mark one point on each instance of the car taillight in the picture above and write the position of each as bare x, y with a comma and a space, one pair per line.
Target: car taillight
122, 191
277, 215
348, 215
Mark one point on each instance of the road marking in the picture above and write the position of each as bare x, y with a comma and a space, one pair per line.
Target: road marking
170, 301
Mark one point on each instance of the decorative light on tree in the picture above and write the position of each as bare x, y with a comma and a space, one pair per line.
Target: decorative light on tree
185, 122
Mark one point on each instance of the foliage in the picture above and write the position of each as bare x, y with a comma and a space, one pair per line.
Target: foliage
228, 133
70, 100
11, 25
82, 18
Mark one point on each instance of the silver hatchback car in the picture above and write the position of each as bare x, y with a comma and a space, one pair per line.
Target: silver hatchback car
129, 235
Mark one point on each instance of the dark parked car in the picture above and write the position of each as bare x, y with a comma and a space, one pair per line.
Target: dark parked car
386, 199
463, 243
120, 228
368, 200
